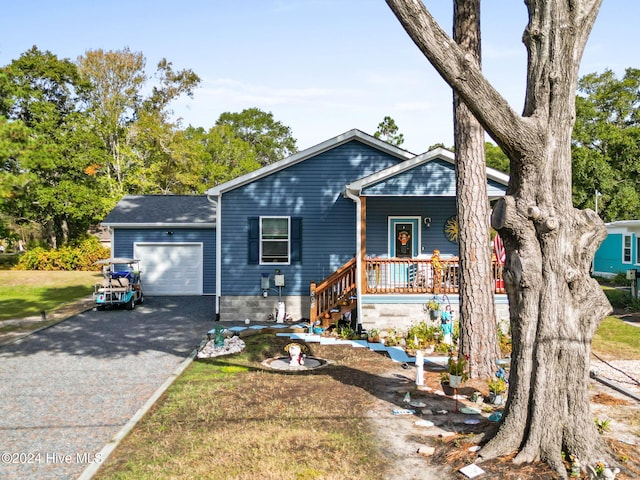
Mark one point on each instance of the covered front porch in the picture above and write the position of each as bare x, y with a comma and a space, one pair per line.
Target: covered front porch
406, 239
390, 281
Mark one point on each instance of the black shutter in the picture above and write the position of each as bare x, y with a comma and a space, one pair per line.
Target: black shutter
254, 241
296, 239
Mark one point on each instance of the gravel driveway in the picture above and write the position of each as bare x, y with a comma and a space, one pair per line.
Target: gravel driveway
67, 390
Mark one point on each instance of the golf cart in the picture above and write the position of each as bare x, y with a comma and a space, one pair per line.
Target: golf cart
121, 284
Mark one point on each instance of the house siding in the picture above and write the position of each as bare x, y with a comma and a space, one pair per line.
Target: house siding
313, 190
123, 240
433, 178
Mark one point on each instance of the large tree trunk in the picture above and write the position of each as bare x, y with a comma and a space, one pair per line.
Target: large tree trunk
478, 327
555, 306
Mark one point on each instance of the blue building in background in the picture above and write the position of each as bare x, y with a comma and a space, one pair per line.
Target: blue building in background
619, 252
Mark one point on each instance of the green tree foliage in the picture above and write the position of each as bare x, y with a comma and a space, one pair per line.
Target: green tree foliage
388, 131
223, 156
270, 139
606, 144
75, 137
146, 151
496, 157
46, 147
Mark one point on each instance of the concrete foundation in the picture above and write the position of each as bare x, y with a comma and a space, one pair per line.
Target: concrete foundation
259, 309
374, 315
404, 315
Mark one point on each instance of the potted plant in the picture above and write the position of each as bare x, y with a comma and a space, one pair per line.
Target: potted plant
457, 368
497, 388
373, 335
433, 306
446, 386
601, 471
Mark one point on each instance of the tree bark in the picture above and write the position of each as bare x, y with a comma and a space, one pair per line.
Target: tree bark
555, 306
478, 326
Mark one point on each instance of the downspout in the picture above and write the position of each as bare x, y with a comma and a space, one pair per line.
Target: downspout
112, 241
218, 253
356, 199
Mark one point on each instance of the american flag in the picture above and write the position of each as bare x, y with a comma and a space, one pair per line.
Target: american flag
498, 249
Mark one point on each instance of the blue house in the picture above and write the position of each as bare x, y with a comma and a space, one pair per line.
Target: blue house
351, 224
620, 251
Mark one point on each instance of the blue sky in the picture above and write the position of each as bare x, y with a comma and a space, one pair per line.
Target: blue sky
322, 67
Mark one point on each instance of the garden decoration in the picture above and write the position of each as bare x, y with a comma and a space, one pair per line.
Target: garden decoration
218, 338
433, 306
457, 374
497, 387
295, 351
436, 264
602, 472
419, 368
446, 325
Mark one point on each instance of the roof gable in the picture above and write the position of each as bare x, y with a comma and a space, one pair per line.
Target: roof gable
431, 173
162, 210
309, 153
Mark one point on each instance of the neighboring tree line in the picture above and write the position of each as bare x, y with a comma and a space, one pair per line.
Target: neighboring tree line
76, 136
605, 154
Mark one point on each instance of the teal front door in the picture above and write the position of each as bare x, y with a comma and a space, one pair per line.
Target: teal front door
403, 237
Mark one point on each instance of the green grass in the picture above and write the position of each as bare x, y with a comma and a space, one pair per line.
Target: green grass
617, 339
27, 293
228, 418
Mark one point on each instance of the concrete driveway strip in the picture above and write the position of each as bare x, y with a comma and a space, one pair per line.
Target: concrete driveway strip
66, 391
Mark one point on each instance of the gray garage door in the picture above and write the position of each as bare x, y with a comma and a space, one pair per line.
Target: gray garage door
170, 268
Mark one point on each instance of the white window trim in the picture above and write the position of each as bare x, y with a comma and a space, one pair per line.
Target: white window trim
624, 247
260, 240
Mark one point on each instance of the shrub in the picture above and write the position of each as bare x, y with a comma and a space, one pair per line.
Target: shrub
78, 255
618, 298
8, 260
421, 335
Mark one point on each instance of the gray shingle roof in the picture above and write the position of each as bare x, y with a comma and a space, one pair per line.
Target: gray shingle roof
162, 210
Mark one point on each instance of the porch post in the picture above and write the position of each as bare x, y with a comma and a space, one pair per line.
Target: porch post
313, 309
362, 270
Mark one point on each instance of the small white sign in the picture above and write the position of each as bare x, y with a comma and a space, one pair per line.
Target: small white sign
471, 471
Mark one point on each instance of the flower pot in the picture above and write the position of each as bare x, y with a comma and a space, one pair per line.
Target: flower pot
455, 381
495, 398
447, 389
435, 314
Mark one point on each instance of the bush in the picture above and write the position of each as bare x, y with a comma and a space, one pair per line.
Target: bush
78, 255
8, 260
422, 335
618, 298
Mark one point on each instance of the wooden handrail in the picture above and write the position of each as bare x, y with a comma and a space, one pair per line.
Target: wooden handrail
418, 275
338, 287
411, 275
390, 276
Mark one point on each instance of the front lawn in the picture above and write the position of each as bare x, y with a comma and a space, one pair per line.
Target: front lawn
27, 293
617, 339
230, 418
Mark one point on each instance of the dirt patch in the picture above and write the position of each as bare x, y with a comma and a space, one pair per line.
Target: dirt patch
454, 435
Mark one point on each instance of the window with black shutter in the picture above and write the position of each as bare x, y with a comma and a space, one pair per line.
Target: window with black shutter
275, 240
